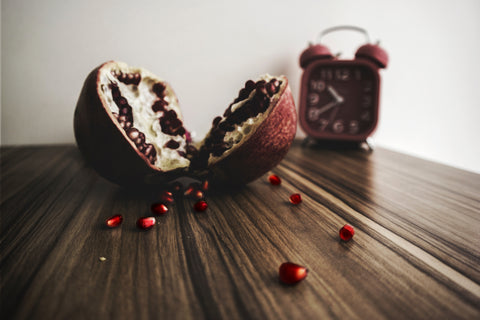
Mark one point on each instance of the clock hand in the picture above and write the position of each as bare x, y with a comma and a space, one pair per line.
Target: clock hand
326, 107
338, 98
332, 116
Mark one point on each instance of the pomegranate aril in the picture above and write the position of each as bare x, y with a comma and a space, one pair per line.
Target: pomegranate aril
262, 88
274, 180
172, 144
149, 150
133, 133
291, 273
146, 223
197, 195
127, 125
216, 121
346, 232
171, 125
271, 88
191, 189
295, 198
159, 89
136, 79
225, 126
200, 206
159, 105
121, 101
276, 84
114, 221
205, 185
166, 197
250, 85
159, 208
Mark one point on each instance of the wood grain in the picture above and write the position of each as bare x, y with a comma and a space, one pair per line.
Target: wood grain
415, 253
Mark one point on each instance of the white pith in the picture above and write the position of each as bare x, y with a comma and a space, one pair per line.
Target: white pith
141, 98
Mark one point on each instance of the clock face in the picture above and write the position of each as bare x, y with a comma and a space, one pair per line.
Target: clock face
340, 100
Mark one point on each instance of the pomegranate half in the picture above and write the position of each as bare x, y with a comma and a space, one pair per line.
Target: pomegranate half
129, 127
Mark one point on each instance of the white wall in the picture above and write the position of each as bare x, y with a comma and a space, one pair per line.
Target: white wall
207, 49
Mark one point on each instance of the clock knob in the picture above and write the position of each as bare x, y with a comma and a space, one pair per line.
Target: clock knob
314, 52
374, 53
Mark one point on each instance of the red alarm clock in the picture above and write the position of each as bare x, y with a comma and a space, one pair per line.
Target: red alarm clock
339, 99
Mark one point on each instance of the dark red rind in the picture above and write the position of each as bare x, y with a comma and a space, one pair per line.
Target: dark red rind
103, 142
263, 150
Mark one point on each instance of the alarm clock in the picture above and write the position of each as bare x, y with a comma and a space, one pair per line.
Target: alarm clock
339, 99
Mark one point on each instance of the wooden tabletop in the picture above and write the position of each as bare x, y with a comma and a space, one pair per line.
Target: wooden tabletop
415, 253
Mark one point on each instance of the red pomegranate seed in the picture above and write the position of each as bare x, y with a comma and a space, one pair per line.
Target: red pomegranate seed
114, 221
200, 206
205, 185
146, 223
291, 273
197, 195
346, 232
192, 188
274, 180
159, 208
295, 198
166, 197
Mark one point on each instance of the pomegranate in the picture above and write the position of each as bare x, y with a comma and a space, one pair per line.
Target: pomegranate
129, 126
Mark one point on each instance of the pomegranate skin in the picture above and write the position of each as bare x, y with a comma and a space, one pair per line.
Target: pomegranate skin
263, 149
105, 145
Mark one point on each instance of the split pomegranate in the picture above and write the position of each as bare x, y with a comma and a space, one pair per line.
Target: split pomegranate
129, 127
291, 273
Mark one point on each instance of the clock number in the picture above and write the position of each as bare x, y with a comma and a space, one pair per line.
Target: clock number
313, 99
354, 127
317, 85
368, 86
326, 74
338, 126
367, 101
342, 74
323, 124
365, 116
313, 114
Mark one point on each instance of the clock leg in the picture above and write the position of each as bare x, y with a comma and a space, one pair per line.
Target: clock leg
368, 145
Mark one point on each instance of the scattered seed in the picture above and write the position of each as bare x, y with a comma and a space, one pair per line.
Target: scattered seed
166, 197
200, 206
146, 223
346, 232
159, 208
291, 273
295, 198
114, 221
274, 180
